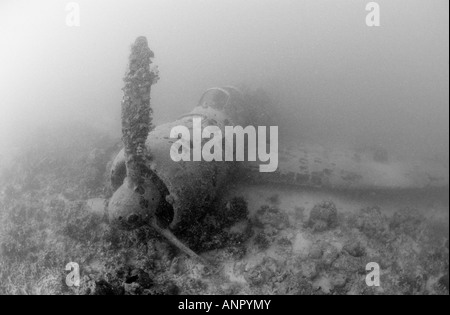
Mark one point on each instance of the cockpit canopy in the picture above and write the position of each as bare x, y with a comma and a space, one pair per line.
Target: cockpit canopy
228, 100
216, 98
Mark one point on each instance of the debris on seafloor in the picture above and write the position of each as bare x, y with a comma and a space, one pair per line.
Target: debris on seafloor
323, 216
268, 250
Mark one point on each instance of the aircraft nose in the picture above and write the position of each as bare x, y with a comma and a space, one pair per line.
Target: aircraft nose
130, 208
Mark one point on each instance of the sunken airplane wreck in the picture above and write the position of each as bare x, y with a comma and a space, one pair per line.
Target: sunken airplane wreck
150, 188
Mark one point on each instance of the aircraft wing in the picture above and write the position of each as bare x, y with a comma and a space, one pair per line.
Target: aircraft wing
316, 166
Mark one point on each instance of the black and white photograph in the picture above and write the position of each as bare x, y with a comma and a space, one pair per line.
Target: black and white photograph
226, 153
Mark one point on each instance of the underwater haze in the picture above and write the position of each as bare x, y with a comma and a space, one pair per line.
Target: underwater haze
334, 79
99, 197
